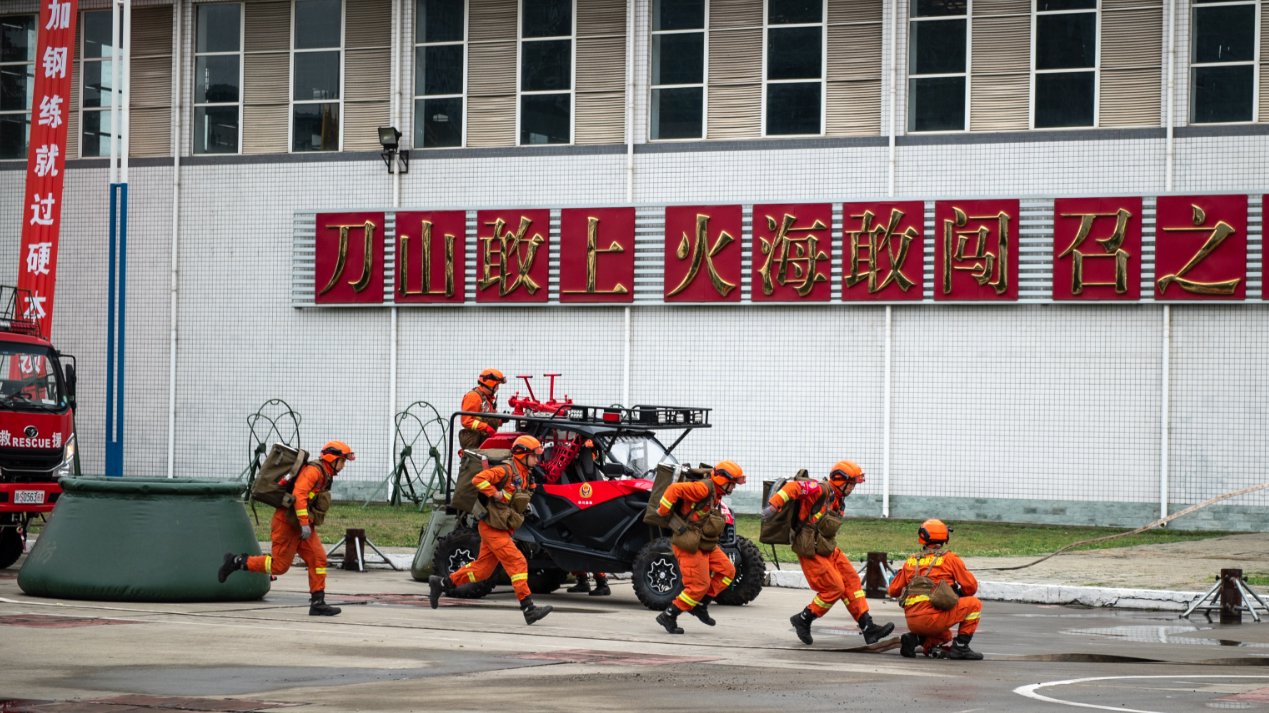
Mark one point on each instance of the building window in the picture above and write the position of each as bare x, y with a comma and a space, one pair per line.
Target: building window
96, 93
678, 69
795, 67
1065, 44
317, 60
546, 71
937, 32
440, 52
217, 78
17, 83
1223, 73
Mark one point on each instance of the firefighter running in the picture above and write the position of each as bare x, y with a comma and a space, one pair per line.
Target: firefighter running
482, 399
931, 610
827, 570
695, 509
294, 528
505, 490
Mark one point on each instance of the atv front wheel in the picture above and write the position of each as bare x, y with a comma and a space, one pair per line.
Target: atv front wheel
545, 581
455, 550
655, 575
751, 571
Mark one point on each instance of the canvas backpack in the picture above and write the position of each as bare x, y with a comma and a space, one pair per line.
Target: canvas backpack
274, 483
667, 474
941, 594
780, 527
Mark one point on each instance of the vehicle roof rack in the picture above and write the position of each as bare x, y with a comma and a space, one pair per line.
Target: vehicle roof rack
645, 417
11, 320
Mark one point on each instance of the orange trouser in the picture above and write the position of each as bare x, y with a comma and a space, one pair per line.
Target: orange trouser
936, 626
833, 578
496, 547
704, 574
286, 542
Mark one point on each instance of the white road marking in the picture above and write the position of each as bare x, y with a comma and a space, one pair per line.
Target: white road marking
1030, 690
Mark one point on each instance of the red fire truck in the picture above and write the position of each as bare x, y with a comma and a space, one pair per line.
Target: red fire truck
37, 424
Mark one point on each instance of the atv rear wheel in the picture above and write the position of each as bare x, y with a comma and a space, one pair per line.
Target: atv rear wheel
10, 546
655, 574
545, 581
751, 571
455, 550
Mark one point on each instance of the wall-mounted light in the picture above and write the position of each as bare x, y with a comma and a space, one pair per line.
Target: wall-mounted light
392, 155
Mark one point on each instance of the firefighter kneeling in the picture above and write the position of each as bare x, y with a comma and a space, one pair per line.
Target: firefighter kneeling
505, 493
935, 590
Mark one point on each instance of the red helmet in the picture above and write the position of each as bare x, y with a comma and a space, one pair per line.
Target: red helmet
525, 445
492, 377
728, 471
933, 532
334, 450
846, 472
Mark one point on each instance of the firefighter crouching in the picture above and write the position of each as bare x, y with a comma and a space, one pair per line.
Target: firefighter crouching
936, 591
696, 517
484, 399
294, 528
506, 490
827, 570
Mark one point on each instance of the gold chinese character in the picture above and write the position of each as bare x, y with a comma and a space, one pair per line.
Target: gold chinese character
971, 246
497, 268
1220, 231
1112, 246
792, 261
875, 240
592, 261
403, 260
368, 235
702, 251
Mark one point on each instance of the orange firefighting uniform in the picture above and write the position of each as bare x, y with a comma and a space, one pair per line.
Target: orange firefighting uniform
313, 479
704, 573
496, 546
481, 399
832, 577
934, 626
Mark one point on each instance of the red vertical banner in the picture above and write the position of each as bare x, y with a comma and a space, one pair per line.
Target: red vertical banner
348, 264
1200, 250
512, 258
883, 251
976, 250
597, 254
1097, 249
431, 256
46, 161
702, 253
792, 253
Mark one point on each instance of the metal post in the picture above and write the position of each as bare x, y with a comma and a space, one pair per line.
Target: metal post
1231, 597
875, 576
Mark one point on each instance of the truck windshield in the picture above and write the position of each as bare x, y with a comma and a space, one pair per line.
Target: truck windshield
640, 453
29, 380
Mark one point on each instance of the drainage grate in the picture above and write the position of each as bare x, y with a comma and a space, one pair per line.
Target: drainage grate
612, 658
48, 621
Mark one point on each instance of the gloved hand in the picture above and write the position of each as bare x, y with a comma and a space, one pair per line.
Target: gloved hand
305, 532
768, 511
956, 587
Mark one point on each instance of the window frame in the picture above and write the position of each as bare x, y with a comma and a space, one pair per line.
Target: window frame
1096, 69
967, 73
343, 76
84, 59
823, 80
704, 84
572, 90
25, 113
242, 61
466, 43
1254, 62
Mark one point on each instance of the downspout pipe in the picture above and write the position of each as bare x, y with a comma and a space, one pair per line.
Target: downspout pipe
178, 131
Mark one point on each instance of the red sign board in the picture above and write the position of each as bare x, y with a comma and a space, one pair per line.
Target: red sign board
512, 255
883, 251
1097, 249
431, 256
46, 161
348, 264
597, 254
976, 250
1200, 250
792, 253
702, 253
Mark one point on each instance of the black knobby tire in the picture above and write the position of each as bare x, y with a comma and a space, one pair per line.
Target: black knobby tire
10, 546
545, 581
455, 550
657, 580
751, 571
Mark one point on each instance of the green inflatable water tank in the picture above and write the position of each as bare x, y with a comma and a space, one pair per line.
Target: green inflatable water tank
143, 540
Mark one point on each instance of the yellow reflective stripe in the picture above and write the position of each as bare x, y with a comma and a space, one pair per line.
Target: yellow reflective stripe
302, 513
319, 570
972, 616
666, 502
519, 577
471, 576
914, 600
726, 581
821, 603
475, 424
485, 485
859, 594
268, 563
817, 516
688, 600
784, 497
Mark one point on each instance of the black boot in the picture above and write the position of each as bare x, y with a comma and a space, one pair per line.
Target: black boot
583, 585
317, 605
436, 587
802, 624
960, 649
533, 612
669, 619
701, 611
908, 645
601, 586
872, 632
232, 564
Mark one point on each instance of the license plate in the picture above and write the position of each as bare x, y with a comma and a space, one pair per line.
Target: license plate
28, 497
